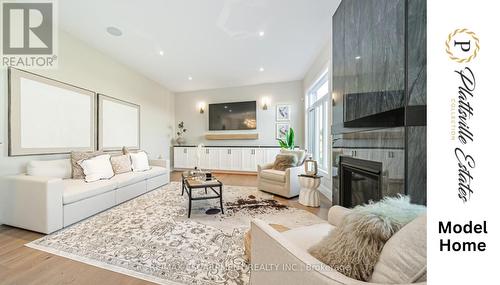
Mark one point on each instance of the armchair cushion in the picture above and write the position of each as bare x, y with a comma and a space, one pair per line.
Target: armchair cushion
274, 175
284, 161
404, 256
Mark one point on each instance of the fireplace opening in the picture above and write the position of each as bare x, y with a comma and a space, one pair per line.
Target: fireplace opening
360, 181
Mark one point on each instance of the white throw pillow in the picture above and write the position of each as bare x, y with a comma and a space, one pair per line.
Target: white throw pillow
140, 161
97, 168
60, 168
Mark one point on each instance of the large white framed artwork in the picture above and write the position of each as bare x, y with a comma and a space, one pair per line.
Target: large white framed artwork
47, 116
118, 124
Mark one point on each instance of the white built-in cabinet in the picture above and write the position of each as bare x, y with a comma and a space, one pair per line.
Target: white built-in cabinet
224, 158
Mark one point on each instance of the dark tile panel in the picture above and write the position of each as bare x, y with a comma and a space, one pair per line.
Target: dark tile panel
417, 164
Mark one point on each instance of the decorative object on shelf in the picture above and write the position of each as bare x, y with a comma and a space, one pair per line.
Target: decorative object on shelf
285, 136
311, 166
201, 107
180, 133
265, 103
309, 194
283, 112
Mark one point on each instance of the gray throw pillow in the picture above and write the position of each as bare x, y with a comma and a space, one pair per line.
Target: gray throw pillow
353, 248
76, 169
121, 163
285, 161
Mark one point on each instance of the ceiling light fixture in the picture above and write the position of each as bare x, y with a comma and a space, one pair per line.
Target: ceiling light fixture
161, 52
114, 31
261, 33
190, 78
261, 69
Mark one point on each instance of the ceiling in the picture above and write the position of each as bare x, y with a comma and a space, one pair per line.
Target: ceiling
215, 43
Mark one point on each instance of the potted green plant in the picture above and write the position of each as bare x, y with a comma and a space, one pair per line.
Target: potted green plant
288, 142
180, 133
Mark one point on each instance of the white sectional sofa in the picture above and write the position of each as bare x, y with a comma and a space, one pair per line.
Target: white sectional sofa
46, 204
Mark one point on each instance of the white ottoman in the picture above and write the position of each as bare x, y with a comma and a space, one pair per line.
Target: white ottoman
309, 193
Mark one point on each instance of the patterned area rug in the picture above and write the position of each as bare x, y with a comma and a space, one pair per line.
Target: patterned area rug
151, 238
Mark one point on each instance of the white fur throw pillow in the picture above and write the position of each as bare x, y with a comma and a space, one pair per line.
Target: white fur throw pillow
354, 246
97, 168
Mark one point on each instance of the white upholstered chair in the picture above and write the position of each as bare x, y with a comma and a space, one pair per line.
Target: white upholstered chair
282, 183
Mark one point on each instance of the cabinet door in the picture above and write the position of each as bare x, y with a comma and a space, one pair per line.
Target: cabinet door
271, 154
249, 159
236, 159
179, 157
192, 158
213, 158
205, 159
260, 157
225, 158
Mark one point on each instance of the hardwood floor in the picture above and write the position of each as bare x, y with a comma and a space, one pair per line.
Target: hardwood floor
21, 265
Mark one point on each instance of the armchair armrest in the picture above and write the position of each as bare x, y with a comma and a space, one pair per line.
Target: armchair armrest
160, 162
32, 202
276, 260
336, 214
264, 166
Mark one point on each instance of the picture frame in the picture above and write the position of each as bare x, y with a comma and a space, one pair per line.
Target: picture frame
283, 112
119, 124
281, 130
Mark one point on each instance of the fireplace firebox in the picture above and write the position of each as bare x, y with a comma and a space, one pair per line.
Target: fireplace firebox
360, 181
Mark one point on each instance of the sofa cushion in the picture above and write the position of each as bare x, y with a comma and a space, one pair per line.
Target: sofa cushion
60, 168
284, 161
305, 237
77, 171
77, 189
129, 178
139, 161
274, 175
300, 153
155, 171
121, 163
97, 168
404, 256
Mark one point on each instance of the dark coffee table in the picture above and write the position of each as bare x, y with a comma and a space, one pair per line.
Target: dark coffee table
189, 184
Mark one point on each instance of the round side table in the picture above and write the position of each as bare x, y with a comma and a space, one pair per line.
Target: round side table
309, 193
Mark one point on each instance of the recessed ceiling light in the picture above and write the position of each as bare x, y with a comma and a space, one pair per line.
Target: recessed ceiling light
161, 52
114, 31
261, 69
261, 33
358, 57
190, 78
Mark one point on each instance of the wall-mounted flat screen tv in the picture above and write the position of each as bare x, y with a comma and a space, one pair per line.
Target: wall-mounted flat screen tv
233, 116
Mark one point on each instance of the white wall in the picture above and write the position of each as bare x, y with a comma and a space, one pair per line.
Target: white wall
86, 67
322, 61
279, 93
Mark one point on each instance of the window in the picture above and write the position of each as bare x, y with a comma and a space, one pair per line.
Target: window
317, 121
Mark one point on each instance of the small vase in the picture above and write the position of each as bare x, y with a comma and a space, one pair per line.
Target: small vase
180, 140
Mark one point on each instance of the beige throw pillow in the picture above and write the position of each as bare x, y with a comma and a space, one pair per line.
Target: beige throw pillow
121, 163
353, 248
284, 161
76, 169
301, 154
404, 256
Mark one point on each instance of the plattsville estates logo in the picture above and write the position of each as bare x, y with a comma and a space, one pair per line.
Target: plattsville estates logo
462, 45
29, 34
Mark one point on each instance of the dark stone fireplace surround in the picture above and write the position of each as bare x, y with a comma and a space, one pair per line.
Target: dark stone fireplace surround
360, 181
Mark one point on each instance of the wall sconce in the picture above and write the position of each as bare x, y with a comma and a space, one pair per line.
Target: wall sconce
265, 103
201, 107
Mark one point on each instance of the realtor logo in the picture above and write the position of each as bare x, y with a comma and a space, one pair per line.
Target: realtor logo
28, 34
462, 45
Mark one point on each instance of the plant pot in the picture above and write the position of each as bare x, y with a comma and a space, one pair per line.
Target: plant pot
180, 140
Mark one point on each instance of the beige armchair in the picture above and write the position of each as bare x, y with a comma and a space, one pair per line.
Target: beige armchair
282, 257
282, 183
